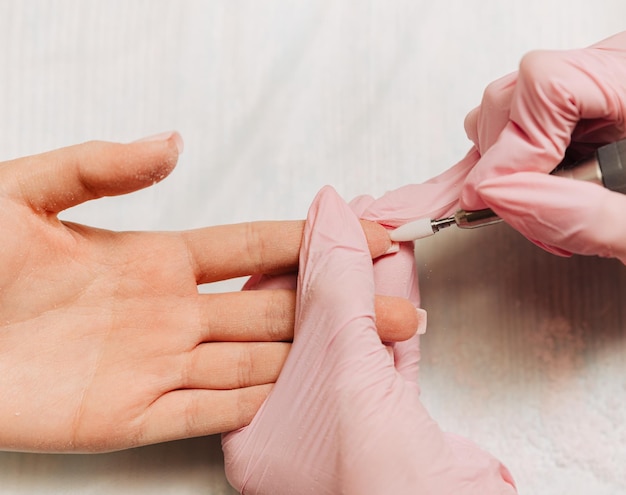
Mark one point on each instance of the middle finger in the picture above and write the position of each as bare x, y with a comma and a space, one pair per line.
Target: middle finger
269, 316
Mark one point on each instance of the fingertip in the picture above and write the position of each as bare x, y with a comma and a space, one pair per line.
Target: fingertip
170, 137
378, 239
161, 152
397, 319
331, 224
178, 141
152, 158
62, 178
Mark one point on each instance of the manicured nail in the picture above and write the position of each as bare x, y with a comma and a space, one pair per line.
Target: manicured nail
166, 136
394, 248
421, 321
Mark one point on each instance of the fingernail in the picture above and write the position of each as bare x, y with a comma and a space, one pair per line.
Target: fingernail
166, 136
421, 321
394, 248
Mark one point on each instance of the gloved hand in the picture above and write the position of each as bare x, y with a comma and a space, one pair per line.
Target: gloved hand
574, 100
571, 100
345, 414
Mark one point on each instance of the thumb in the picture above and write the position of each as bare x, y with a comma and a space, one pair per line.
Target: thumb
54, 181
335, 311
335, 351
572, 216
335, 279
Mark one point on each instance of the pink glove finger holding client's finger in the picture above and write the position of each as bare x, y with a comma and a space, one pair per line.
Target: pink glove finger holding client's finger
345, 415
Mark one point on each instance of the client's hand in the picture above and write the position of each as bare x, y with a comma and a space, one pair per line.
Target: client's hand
105, 342
345, 414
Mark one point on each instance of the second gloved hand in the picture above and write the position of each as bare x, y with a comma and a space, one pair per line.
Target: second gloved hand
559, 103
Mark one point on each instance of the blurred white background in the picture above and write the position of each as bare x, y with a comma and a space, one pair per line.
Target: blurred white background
274, 99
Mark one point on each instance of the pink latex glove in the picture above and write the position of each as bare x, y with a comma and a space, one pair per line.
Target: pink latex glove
573, 99
345, 414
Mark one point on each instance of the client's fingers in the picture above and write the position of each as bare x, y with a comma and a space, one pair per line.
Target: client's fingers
228, 365
228, 251
56, 180
268, 316
192, 413
396, 318
248, 316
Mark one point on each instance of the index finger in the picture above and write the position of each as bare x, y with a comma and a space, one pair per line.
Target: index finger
269, 247
56, 180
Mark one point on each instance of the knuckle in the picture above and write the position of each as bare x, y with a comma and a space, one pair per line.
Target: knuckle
192, 414
497, 94
542, 71
245, 366
279, 314
534, 61
254, 246
188, 369
248, 403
